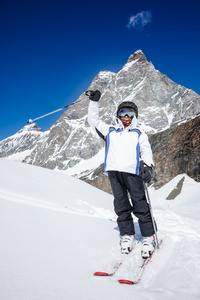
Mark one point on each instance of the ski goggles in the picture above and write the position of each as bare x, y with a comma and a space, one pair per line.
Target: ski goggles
126, 112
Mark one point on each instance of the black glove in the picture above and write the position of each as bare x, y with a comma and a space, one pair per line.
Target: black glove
146, 173
93, 95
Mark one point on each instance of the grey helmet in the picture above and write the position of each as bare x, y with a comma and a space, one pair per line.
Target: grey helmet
128, 104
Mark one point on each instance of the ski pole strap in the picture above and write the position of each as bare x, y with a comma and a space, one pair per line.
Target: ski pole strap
89, 93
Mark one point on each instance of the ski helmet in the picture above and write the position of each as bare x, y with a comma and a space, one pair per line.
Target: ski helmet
128, 104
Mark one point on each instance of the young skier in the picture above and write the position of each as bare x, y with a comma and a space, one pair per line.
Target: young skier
126, 143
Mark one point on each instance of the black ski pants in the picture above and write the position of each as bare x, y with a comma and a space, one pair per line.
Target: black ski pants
121, 184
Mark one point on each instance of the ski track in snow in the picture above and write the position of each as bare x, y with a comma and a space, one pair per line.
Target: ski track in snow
181, 239
85, 208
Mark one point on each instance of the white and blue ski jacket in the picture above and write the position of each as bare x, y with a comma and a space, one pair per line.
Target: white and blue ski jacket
124, 146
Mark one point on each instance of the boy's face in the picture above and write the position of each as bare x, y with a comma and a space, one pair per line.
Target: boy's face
126, 115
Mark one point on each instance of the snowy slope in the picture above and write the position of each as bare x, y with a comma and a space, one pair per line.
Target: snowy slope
57, 230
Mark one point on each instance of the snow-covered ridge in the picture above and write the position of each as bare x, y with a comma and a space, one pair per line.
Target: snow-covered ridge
107, 75
21, 144
128, 65
33, 128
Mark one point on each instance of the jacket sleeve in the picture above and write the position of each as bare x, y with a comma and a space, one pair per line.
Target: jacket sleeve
94, 120
145, 150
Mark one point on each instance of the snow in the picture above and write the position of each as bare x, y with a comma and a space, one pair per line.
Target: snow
19, 156
148, 128
136, 90
175, 95
106, 75
169, 116
128, 65
88, 165
57, 230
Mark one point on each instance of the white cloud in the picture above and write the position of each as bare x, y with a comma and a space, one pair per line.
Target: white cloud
140, 20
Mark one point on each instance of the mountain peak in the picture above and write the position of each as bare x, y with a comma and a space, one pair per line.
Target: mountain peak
138, 55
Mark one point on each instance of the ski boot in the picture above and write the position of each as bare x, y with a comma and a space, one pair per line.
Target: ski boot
148, 246
126, 243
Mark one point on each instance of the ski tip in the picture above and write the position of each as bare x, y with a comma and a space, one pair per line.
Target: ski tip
101, 274
125, 281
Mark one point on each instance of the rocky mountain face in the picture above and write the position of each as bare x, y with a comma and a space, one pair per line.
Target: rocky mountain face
70, 144
176, 151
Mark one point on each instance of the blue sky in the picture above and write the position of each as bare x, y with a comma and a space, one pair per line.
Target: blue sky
51, 50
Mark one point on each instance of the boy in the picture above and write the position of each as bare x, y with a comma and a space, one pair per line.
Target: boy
126, 142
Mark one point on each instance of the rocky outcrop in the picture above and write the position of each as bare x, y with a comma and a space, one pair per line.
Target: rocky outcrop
137, 56
98, 179
176, 151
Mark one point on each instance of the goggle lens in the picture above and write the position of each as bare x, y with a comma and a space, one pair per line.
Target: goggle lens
129, 112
